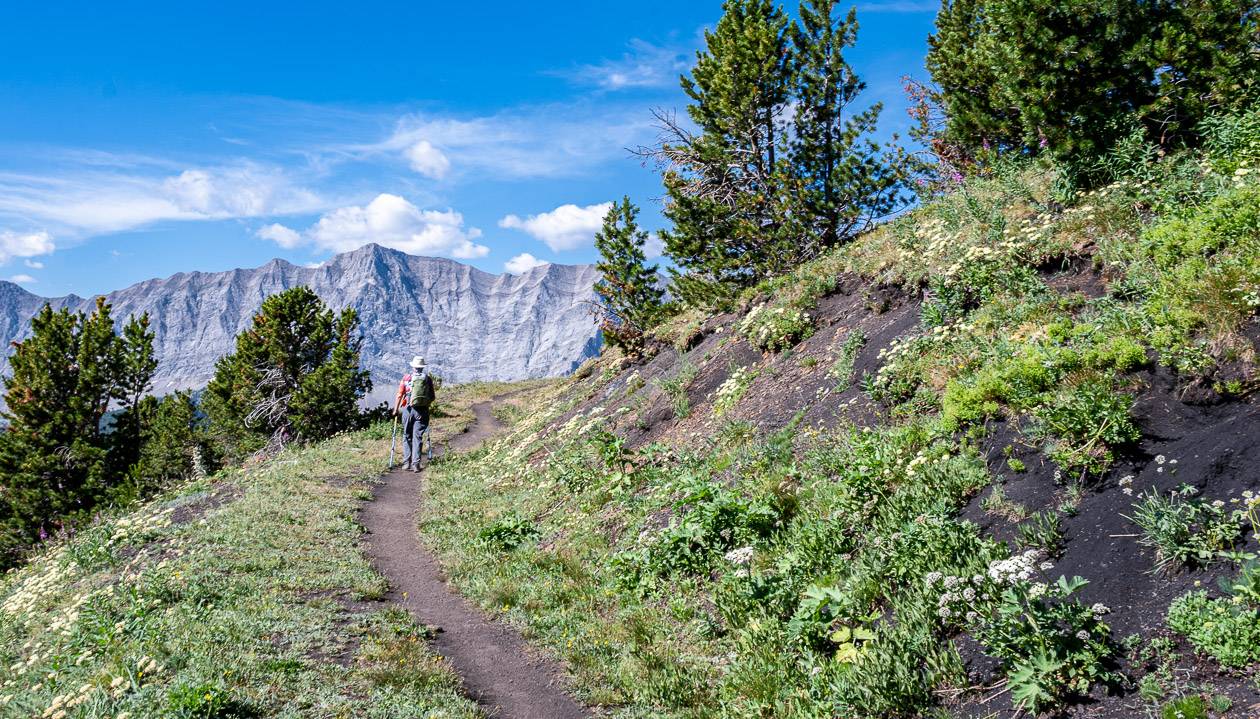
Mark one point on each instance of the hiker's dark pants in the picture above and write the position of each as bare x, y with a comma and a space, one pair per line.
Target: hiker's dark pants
415, 422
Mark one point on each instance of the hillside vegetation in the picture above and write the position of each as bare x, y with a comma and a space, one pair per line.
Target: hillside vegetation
239, 595
989, 459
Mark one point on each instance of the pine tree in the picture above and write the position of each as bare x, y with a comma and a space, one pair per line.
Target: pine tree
848, 180
294, 376
173, 437
137, 364
726, 184
629, 298
327, 400
57, 461
1072, 77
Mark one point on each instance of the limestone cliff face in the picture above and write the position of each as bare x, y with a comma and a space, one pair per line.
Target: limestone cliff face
471, 325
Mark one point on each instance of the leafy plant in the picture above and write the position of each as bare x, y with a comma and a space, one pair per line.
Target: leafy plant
676, 388
1184, 529
1218, 627
842, 369
1086, 422
508, 532
1187, 707
1246, 586
775, 329
1043, 530
1052, 645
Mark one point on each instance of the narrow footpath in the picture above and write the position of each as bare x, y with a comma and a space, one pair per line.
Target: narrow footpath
498, 668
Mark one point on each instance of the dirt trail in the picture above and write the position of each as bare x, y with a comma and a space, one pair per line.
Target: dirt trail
498, 668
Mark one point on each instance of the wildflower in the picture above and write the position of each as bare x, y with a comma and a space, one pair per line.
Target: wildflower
741, 556
1159, 459
1083, 635
1100, 609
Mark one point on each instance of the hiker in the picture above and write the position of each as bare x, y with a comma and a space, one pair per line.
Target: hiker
415, 395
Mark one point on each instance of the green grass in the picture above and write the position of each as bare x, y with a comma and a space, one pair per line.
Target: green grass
243, 609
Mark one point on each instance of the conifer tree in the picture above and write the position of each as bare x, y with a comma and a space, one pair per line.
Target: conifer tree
57, 461
173, 438
726, 183
1072, 77
629, 298
847, 179
294, 375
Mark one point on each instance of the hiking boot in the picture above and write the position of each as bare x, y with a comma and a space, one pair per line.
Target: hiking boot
416, 469
406, 468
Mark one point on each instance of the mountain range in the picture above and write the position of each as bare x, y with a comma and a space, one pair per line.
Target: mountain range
469, 324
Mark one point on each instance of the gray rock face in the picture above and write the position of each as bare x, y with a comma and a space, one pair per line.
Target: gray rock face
469, 324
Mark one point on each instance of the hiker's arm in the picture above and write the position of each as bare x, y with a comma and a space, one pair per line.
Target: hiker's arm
398, 399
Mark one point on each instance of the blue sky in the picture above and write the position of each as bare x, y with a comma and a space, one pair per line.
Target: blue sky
138, 140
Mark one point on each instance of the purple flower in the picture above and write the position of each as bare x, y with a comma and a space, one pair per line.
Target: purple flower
1043, 143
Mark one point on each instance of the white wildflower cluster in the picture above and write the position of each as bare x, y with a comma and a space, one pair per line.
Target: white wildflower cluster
963, 600
741, 557
140, 526
1019, 568
729, 393
1244, 174
774, 328
1126, 484
43, 577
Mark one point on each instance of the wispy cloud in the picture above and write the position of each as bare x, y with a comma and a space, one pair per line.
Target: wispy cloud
644, 66
88, 200
562, 140
899, 6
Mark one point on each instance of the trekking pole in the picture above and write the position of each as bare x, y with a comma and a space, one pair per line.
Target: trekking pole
393, 432
428, 432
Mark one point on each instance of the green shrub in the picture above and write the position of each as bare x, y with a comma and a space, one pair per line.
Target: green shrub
842, 369
1085, 422
1052, 646
1184, 529
205, 702
1043, 530
775, 329
508, 532
1218, 627
1190, 707
676, 388
732, 390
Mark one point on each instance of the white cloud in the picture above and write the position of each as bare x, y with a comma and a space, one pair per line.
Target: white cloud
22, 279
646, 65
389, 221
88, 200
33, 264
654, 247
428, 160
281, 235
560, 140
523, 263
29, 244
567, 227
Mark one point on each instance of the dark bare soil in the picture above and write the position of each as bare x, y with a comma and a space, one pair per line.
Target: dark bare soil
498, 668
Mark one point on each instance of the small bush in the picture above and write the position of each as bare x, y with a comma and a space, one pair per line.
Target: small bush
676, 388
205, 702
776, 329
1218, 627
1191, 707
842, 369
732, 390
508, 533
1185, 530
1086, 422
1044, 531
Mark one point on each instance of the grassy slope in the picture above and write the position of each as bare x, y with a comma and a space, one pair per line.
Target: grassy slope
243, 595
614, 524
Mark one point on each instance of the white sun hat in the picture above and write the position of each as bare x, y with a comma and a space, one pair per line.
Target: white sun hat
417, 362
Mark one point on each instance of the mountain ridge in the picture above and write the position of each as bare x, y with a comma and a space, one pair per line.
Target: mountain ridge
471, 324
